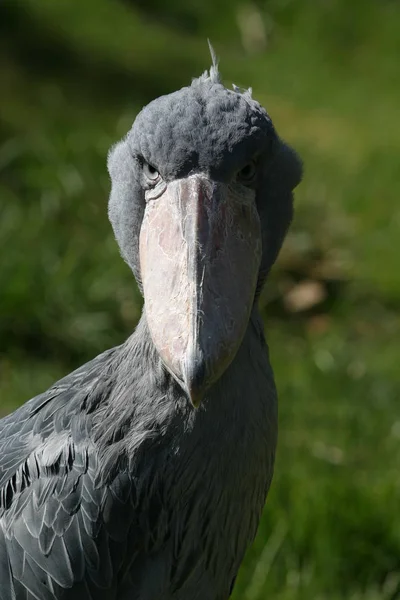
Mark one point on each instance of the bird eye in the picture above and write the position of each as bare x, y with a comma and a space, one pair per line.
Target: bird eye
151, 172
247, 174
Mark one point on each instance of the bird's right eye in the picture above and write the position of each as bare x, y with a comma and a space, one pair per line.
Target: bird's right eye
248, 173
151, 172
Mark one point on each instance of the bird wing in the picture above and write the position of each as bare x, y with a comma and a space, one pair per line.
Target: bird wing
58, 528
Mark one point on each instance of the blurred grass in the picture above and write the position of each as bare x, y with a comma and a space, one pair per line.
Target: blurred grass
73, 77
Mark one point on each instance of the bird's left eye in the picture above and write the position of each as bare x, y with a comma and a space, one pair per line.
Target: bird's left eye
151, 172
247, 174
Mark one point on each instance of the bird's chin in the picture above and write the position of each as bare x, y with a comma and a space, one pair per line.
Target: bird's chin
200, 252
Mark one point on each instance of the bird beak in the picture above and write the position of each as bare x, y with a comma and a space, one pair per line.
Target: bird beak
200, 252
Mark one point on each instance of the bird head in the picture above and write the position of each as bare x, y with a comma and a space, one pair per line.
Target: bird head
200, 203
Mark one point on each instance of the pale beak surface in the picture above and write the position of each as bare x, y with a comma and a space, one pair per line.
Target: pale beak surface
200, 252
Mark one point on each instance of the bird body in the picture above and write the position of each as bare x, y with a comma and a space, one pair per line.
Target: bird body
143, 474
179, 493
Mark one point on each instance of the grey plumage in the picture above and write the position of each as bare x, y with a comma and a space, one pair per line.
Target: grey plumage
112, 485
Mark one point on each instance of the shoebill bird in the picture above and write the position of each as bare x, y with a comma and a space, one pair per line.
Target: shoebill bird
143, 474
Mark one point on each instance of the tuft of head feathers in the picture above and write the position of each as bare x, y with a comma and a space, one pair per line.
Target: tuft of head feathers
212, 75
248, 93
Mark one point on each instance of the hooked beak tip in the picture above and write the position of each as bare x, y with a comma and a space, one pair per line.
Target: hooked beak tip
195, 375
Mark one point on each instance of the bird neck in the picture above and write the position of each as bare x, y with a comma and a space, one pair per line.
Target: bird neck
150, 375
146, 405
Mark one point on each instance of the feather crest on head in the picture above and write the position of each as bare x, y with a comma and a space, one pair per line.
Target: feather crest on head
214, 76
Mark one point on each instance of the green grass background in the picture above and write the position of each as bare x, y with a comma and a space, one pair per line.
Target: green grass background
72, 77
